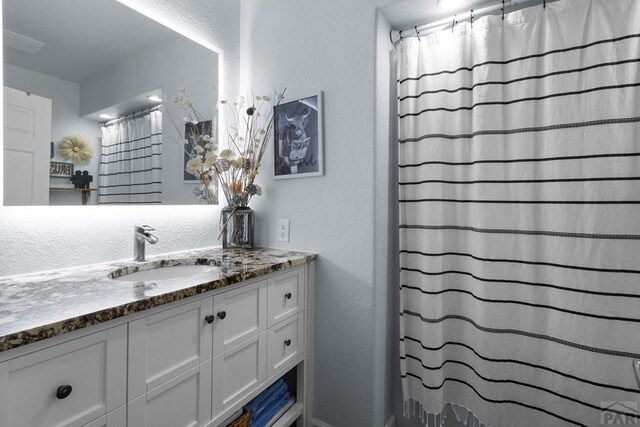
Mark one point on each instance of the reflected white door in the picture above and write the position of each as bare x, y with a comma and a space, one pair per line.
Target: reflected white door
27, 134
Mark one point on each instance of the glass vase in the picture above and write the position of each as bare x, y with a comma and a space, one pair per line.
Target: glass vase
237, 223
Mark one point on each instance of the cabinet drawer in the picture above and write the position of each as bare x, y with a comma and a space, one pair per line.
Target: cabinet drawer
184, 401
70, 384
167, 344
285, 342
237, 372
241, 314
285, 296
117, 418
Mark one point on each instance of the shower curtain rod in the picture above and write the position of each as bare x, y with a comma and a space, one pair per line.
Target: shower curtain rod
472, 14
126, 117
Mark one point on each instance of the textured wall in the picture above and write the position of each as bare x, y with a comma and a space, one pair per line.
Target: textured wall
309, 46
42, 238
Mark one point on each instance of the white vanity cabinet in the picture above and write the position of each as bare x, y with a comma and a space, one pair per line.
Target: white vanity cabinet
70, 384
189, 363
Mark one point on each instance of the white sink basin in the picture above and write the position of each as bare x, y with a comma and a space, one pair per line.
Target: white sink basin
167, 273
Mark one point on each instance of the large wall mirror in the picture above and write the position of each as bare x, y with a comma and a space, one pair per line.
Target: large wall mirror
84, 120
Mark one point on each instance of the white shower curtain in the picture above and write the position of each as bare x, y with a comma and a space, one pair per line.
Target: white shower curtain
130, 164
519, 170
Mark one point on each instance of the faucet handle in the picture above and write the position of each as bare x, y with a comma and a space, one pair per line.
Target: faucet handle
143, 227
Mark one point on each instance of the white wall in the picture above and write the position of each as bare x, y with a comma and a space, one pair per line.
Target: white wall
65, 121
329, 45
42, 238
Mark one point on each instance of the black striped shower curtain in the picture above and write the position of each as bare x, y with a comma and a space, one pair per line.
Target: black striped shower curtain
519, 171
130, 163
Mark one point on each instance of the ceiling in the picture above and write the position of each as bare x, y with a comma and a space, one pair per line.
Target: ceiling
80, 36
409, 13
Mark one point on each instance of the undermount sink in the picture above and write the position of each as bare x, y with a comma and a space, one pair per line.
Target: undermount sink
165, 273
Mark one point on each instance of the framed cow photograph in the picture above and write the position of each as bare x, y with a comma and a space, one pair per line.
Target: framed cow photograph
298, 138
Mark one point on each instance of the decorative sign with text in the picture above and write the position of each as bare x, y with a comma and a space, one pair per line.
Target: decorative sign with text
61, 170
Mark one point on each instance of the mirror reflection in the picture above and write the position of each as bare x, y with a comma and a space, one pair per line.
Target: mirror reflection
84, 118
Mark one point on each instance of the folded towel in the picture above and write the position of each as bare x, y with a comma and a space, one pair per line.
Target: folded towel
268, 401
258, 402
271, 411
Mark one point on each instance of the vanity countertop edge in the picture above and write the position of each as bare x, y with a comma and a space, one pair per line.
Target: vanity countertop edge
37, 306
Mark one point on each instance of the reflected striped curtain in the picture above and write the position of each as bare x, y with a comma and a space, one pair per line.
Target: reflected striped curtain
130, 164
519, 170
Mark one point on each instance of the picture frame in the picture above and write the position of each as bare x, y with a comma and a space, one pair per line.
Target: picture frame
298, 139
204, 127
60, 170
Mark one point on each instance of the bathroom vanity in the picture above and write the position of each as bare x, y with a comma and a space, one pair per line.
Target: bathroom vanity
151, 345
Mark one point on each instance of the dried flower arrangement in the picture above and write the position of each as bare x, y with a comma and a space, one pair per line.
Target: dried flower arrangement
248, 133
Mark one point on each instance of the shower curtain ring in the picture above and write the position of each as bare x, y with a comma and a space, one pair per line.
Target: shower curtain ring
417, 32
502, 10
471, 17
453, 24
544, 4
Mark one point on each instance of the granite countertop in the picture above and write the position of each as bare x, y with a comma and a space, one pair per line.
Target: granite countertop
37, 306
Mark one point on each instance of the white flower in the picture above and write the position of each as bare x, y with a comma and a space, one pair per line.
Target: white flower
207, 137
195, 165
258, 98
266, 98
210, 158
183, 141
199, 149
195, 122
208, 146
226, 153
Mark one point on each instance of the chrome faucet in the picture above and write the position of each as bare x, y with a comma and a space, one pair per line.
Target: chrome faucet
141, 235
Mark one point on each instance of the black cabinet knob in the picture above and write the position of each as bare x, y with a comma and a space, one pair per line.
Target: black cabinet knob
287, 295
222, 315
63, 391
287, 342
210, 318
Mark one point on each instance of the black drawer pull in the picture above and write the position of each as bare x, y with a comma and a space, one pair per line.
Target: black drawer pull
210, 318
287, 295
63, 391
287, 342
222, 315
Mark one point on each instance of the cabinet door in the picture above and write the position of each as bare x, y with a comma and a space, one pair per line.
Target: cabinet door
285, 343
184, 401
241, 314
237, 372
117, 418
285, 295
70, 384
167, 344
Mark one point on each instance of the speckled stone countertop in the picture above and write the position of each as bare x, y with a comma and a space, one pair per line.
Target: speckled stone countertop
37, 306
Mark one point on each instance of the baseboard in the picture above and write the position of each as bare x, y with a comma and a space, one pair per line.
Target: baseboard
391, 422
317, 423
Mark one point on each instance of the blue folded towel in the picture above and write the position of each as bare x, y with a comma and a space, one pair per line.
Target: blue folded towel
258, 403
271, 411
267, 401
